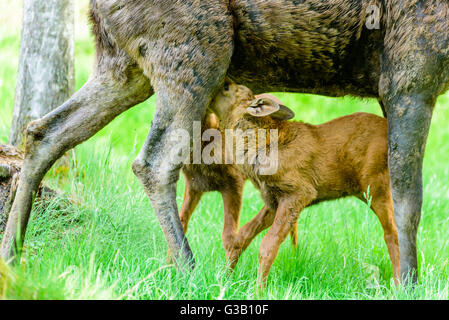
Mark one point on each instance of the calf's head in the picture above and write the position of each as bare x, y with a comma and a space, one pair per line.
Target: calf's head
234, 102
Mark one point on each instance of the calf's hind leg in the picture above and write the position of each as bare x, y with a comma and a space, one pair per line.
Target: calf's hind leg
294, 236
382, 205
100, 100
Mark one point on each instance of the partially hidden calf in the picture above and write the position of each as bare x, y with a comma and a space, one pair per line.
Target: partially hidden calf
344, 157
224, 178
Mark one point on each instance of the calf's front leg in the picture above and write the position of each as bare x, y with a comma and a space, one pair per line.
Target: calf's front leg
191, 199
287, 216
248, 232
232, 203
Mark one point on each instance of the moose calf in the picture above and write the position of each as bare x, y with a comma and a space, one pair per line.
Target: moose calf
224, 178
337, 159
227, 179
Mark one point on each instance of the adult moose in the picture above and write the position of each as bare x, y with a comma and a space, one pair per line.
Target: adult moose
183, 49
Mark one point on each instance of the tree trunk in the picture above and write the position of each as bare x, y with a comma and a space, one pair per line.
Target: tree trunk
10, 164
46, 66
11, 160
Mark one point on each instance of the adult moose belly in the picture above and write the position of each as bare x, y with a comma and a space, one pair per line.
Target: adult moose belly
305, 46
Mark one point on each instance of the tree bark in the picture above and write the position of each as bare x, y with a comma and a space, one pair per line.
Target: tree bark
46, 67
10, 163
11, 160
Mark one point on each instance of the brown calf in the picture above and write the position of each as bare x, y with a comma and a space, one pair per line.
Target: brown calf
337, 159
226, 179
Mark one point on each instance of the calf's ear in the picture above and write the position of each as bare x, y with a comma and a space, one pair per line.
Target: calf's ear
211, 120
265, 106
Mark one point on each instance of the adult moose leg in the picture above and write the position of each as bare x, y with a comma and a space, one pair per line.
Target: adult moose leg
414, 71
186, 64
191, 199
100, 100
155, 167
180, 102
409, 119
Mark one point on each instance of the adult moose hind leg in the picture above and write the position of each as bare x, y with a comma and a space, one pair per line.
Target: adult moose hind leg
191, 199
100, 100
179, 104
156, 169
186, 51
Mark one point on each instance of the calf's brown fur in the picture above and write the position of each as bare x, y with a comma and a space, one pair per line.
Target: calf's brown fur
224, 178
316, 163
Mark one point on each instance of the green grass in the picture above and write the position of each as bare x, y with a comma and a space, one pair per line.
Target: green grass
108, 243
